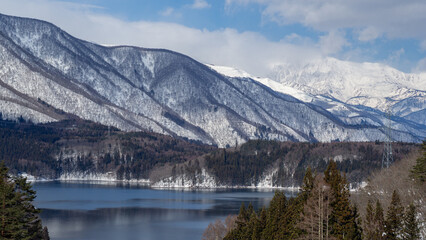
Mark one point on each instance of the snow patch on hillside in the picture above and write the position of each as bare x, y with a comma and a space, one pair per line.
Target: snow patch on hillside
276, 86
267, 181
31, 178
200, 180
84, 176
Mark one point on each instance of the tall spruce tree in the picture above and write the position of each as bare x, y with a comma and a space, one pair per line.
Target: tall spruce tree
308, 181
394, 218
241, 223
18, 217
419, 170
411, 230
380, 221
276, 211
343, 219
259, 224
370, 223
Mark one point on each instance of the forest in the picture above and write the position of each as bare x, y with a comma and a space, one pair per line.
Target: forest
238, 166
75, 146
324, 209
49, 150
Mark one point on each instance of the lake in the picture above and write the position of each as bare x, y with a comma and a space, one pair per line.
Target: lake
80, 210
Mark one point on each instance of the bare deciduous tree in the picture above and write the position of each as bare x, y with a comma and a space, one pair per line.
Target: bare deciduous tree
219, 229
317, 211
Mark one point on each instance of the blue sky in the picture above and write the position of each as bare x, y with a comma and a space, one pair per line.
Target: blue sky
254, 35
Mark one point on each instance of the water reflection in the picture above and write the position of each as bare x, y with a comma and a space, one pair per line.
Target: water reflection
111, 211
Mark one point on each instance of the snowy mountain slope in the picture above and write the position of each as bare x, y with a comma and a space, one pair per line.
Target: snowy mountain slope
158, 90
368, 84
347, 113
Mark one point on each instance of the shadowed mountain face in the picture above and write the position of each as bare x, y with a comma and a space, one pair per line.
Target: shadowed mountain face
48, 75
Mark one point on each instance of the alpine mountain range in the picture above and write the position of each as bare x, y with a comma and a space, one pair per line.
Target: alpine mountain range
48, 75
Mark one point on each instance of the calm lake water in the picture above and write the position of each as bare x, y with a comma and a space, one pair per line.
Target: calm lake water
121, 211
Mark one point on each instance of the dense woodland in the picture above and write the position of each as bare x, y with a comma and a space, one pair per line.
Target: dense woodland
49, 150
237, 166
79, 146
323, 209
19, 219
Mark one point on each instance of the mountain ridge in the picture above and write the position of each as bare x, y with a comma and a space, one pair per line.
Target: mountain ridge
157, 90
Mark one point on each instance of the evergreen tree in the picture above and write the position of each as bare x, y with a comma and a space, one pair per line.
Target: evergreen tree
411, 230
259, 224
343, 219
276, 211
18, 217
308, 181
380, 221
419, 170
356, 230
394, 218
239, 232
243, 217
369, 223
291, 218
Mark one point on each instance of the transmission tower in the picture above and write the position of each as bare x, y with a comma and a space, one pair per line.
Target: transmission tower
387, 151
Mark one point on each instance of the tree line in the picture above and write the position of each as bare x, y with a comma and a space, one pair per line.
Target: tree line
247, 163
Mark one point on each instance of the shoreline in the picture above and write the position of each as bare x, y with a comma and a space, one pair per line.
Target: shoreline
148, 184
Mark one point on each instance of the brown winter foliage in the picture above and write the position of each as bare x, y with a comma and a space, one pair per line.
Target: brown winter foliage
398, 177
219, 228
317, 211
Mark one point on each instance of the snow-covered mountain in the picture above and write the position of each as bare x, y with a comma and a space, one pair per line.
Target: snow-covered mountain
345, 112
48, 75
371, 85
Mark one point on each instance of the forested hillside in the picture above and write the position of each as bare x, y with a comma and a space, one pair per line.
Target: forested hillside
286, 162
324, 209
79, 149
72, 146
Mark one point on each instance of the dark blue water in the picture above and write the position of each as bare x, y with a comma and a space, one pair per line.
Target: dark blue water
121, 211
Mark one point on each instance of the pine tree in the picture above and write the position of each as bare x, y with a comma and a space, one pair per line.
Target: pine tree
356, 230
419, 170
276, 211
411, 230
18, 217
394, 218
369, 223
308, 181
380, 221
259, 224
343, 220
292, 217
243, 218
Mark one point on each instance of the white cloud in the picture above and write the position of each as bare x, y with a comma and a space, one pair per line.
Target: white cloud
167, 12
394, 18
200, 4
245, 50
395, 56
420, 67
368, 34
333, 42
296, 39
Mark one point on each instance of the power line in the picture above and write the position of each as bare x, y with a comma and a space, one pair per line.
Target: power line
387, 158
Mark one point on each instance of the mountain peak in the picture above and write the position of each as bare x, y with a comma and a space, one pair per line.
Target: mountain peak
47, 71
